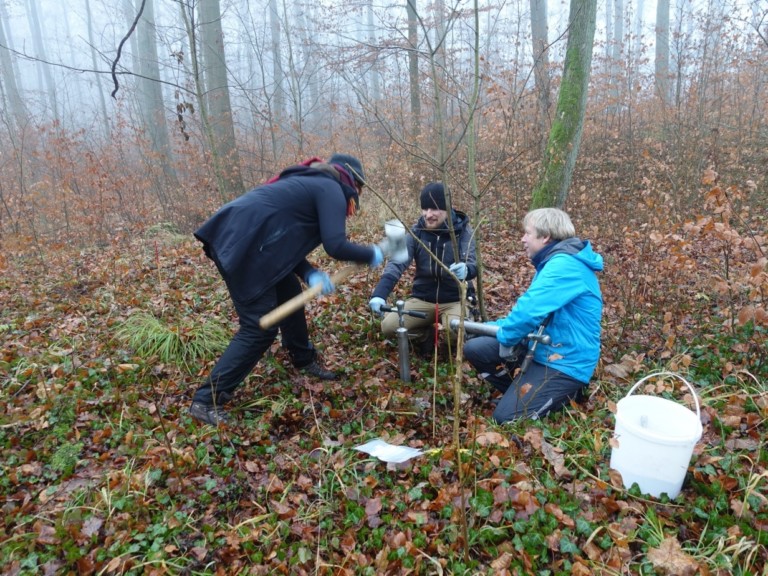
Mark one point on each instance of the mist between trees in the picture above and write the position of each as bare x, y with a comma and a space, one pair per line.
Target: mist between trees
117, 115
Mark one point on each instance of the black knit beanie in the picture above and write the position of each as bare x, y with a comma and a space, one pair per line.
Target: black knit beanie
433, 196
348, 161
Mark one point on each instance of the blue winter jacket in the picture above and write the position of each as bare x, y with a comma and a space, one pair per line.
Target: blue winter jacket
266, 234
566, 285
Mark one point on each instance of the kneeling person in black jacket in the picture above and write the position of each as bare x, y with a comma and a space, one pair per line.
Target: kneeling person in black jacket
433, 287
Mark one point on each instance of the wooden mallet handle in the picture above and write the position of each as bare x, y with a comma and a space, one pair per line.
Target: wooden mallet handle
289, 307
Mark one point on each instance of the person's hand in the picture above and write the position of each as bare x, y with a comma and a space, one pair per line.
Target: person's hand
378, 257
375, 304
318, 278
459, 269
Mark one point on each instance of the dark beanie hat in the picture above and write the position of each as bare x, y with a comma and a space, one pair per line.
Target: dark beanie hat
433, 196
347, 161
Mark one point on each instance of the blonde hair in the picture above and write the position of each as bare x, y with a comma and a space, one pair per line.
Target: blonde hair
551, 222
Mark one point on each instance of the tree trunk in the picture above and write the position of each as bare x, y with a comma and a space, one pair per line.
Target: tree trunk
224, 149
128, 13
616, 51
413, 67
40, 54
565, 135
276, 102
95, 63
662, 50
310, 103
439, 76
152, 107
11, 88
540, 42
373, 74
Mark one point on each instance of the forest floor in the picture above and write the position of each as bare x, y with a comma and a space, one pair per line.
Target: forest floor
104, 472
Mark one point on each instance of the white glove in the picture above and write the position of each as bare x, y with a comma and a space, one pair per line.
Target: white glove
459, 269
375, 304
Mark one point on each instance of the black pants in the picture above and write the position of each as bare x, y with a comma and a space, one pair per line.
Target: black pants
251, 342
534, 394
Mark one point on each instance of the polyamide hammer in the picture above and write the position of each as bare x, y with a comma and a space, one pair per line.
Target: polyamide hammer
393, 246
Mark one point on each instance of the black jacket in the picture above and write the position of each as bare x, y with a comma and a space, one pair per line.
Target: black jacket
266, 234
431, 283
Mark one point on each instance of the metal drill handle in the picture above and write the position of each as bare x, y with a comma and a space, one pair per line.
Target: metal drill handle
475, 327
540, 338
414, 313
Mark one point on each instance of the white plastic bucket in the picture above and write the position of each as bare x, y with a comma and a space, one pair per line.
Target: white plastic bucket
654, 440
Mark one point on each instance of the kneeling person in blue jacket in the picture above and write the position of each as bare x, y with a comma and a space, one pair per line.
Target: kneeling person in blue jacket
565, 292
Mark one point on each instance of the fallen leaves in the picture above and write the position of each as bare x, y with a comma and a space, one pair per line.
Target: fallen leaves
553, 455
492, 438
285, 494
669, 558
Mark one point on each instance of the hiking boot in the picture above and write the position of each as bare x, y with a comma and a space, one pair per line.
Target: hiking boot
209, 413
314, 369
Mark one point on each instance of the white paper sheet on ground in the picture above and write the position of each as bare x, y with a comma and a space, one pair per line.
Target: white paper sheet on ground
388, 452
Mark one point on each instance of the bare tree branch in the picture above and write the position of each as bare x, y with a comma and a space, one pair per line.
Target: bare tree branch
26, 56
120, 48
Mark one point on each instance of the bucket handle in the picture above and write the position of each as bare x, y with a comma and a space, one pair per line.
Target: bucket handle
664, 373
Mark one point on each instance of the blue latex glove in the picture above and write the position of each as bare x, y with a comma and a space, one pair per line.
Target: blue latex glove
378, 257
321, 278
459, 269
375, 304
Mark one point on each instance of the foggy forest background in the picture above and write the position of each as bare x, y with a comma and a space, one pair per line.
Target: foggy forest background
112, 122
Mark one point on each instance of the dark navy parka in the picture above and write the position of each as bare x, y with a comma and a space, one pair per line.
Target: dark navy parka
267, 233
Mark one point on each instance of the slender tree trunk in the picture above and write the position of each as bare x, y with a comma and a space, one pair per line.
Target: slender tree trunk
616, 51
439, 75
565, 135
294, 93
374, 72
227, 158
40, 53
153, 108
277, 62
413, 68
128, 13
639, 20
662, 50
310, 73
11, 88
107, 125
540, 42
277, 99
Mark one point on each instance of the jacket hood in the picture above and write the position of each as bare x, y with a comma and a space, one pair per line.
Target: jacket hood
579, 249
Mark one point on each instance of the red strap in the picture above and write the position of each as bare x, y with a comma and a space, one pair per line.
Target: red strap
307, 162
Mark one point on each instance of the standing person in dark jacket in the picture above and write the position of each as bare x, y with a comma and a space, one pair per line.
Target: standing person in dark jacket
566, 293
259, 243
432, 284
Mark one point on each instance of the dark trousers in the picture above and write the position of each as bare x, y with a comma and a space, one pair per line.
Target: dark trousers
251, 342
534, 394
